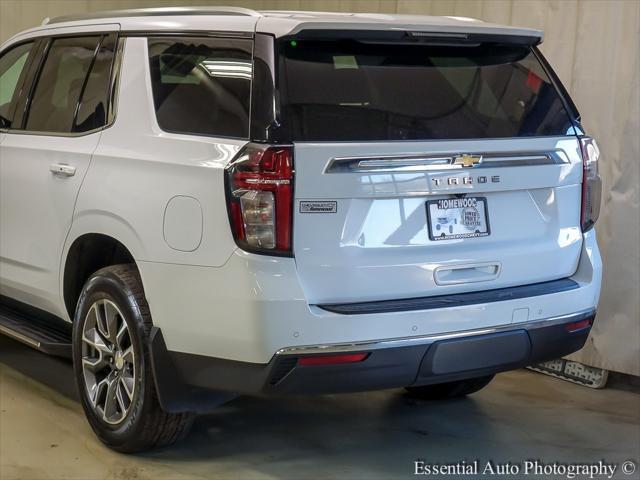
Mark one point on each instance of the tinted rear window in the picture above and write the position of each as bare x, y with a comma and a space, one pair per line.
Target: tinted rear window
92, 110
201, 85
60, 84
12, 65
345, 90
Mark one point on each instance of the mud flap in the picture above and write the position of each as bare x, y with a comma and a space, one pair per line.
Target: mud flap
174, 394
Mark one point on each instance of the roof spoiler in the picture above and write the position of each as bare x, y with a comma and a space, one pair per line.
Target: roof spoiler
417, 37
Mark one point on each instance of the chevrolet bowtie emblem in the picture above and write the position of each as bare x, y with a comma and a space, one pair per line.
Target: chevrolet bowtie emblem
467, 160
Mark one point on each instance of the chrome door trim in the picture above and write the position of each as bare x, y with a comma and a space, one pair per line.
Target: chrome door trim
442, 162
420, 340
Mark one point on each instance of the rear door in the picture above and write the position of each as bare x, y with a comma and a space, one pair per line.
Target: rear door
43, 159
425, 169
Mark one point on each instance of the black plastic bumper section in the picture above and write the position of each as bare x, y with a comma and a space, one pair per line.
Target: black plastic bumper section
453, 300
189, 382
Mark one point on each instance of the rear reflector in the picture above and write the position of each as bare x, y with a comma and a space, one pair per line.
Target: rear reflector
576, 326
333, 359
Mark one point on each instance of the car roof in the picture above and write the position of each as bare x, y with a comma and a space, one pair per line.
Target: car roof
278, 23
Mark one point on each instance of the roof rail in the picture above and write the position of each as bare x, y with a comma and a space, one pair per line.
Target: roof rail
155, 12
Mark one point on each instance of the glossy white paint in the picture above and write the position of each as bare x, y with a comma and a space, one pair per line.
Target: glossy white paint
376, 246
140, 185
36, 208
252, 306
182, 225
137, 169
31, 250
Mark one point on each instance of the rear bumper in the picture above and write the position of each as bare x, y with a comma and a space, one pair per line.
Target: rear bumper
388, 364
254, 306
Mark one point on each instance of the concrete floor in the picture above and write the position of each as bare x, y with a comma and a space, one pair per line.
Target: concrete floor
521, 415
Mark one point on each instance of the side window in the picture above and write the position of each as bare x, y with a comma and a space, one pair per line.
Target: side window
201, 85
12, 64
92, 111
60, 83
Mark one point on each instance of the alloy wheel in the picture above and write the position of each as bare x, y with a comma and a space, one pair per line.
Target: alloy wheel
108, 361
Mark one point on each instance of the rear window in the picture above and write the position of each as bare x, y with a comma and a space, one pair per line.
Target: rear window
92, 110
60, 85
201, 85
345, 90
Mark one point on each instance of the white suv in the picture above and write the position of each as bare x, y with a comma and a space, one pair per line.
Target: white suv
201, 203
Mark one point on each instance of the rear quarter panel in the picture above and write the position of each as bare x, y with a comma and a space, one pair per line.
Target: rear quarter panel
137, 169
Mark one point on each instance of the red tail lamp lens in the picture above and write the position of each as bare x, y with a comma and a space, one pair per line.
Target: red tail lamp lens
260, 193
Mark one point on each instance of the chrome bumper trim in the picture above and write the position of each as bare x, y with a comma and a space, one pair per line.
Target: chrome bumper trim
412, 341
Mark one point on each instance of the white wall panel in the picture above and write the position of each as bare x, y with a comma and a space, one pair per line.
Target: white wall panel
594, 46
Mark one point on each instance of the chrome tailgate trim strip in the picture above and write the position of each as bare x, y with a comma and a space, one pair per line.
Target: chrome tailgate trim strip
454, 161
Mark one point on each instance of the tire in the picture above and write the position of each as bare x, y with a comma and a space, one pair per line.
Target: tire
444, 391
112, 365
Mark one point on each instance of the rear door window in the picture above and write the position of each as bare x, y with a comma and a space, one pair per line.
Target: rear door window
60, 84
12, 64
201, 85
93, 106
347, 90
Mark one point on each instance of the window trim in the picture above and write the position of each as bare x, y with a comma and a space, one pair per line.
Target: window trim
264, 127
569, 104
114, 81
215, 35
35, 77
34, 68
23, 78
86, 80
231, 34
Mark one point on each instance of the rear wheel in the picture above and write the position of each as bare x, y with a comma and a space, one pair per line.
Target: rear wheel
112, 364
443, 391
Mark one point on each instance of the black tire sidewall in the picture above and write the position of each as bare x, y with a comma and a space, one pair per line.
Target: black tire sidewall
105, 284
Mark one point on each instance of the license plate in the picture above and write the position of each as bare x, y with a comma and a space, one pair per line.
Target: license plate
455, 218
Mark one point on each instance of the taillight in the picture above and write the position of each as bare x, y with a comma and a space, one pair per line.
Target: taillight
591, 183
260, 198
